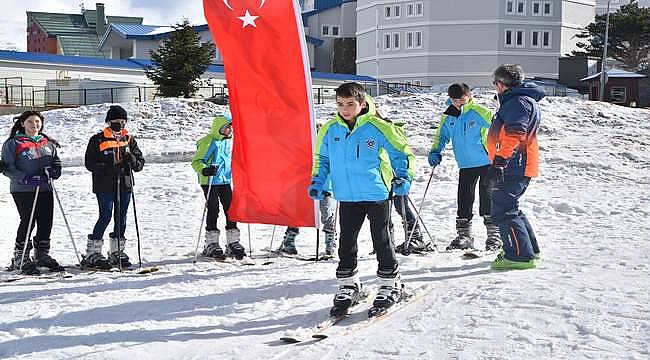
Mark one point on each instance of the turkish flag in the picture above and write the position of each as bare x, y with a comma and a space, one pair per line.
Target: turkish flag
267, 69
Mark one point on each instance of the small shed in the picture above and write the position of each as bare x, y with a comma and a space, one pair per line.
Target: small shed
621, 87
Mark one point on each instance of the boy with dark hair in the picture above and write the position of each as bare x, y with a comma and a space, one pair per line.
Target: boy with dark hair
351, 150
465, 123
514, 151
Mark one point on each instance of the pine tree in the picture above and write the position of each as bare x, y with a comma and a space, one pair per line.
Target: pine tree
179, 62
628, 38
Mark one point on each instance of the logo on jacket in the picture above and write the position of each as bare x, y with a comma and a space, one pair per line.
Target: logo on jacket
370, 143
337, 139
471, 123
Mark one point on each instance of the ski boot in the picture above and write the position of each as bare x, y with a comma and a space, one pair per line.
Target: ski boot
464, 239
94, 258
330, 244
493, 240
391, 291
348, 294
289, 242
43, 259
212, 248
417, 244
116, 256
28, 266
234, 248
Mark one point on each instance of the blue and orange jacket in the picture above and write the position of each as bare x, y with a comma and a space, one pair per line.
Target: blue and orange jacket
513, 134
468, 135
28, 156
215, 149
360, 162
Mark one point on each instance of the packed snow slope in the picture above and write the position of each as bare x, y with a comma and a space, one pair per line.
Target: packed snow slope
588, 298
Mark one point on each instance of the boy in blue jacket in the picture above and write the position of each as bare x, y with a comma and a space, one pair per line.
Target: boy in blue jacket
466, 123
212, 162
351, 150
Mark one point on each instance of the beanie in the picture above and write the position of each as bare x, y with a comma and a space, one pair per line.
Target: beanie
115, 112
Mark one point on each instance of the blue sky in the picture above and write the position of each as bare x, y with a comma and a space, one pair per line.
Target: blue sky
13, 34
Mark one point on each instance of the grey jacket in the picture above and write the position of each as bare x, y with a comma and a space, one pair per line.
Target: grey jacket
24, 156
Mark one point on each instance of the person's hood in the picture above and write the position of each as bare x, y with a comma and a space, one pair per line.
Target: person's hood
527, 89
218, 123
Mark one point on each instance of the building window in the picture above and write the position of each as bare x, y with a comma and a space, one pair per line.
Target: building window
548, 8
418, 39
520, 38
508, 41
534, 39
419, 9
395, 41
410, 10
409, 40
325, 31
417, 82
396, 11
618, 94
387, 12
546, 39
335, 31
386, 41
521, 7
537, 8
510, 7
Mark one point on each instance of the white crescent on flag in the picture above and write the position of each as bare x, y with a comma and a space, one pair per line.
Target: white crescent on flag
230, 7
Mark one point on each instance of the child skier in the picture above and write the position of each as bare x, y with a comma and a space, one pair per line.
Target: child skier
348, 150
465, 123
212, 163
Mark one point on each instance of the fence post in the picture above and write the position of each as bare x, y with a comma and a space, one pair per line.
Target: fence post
58, 96
112, 96
85, 96
139, 95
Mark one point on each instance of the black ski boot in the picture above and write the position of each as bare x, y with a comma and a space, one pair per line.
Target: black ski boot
28, 268
390, 292
43, 259
235, 250
464, 240
95, 261
116, 258
288, 245
214, 251
348, 294
493, 241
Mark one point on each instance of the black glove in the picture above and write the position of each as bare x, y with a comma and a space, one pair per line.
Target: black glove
497, 169
209, 171
130, 159
2, 167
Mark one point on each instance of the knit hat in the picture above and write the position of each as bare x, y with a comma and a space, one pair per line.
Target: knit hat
115, 112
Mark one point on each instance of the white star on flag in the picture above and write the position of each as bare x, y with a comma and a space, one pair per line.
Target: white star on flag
247, 19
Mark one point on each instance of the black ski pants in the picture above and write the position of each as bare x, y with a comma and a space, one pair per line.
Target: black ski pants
42, 219
352, 216
218, 193
467, 179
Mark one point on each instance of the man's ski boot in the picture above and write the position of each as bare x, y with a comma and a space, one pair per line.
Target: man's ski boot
464, 240
94, 258
234, 248
417, 244
288, 245
493, 240
43, 259
116, 254
348, 294
212, 248
391, 291
330, 244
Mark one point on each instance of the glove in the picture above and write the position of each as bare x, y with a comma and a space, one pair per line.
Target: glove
34, 180
434, 159
53, 172
2, 167
316, 191
497, 169
401, 186
130, 159
209, 171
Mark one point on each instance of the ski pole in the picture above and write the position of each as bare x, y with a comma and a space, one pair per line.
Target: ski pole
65, 219
29, 227
426, 189
272, 236
421, 221
118, 219
135, 212
407, 239
250, 246
205, 209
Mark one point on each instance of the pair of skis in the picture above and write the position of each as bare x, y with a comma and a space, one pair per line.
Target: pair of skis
320, 331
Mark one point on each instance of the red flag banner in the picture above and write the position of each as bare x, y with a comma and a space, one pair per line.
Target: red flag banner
269, 84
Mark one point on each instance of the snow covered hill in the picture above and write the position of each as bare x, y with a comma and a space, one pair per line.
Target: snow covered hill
588, 298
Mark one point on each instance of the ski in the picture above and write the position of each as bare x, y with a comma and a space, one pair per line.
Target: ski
475, 253
49, 275
379, 314
232, 261
316, 331
276, 253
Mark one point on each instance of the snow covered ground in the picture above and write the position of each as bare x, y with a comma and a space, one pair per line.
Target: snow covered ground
588, 298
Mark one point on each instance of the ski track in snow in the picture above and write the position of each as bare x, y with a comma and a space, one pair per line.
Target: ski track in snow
588, 298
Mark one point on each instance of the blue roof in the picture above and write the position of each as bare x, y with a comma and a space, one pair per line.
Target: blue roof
322, 5
147, 32
140, 64
314, 40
